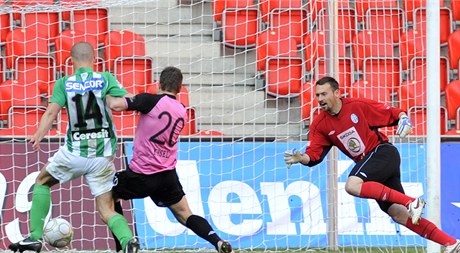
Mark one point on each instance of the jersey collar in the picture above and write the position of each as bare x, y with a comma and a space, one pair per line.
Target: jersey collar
83, 70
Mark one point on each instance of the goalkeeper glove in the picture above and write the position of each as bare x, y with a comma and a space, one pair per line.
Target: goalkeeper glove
291, 157
404, 126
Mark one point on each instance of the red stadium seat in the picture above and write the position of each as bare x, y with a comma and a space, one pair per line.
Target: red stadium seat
31, 69
346, 21
371, 44
271, 43
23, 121
445, 22
418, 115
383, 71
455, 6
91, 21
46, 22
18, 93
418, 71
315, 47
344, 75
208, 133
64, 42
25, 116
218, 6
319, 6
122, 44
134, 72
288, 16
190, 126
453, 100
25, 42
2, 69
239, 22
126, 123
284, 76
410, 6
23, 3
413, 43
27, 55
279, 60
365, 89
454, 50
4, 26
412, 93
362, 6
307, 102
386, 19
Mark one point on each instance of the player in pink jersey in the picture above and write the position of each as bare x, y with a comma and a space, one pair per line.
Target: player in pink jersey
351, 124
152, 170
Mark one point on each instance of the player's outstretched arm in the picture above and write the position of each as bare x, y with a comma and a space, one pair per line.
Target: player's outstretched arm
45, 124
116, 103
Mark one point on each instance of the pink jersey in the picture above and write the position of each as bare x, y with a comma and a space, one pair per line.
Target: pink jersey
155, 143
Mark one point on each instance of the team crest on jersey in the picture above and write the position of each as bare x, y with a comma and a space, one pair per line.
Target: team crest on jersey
354, 118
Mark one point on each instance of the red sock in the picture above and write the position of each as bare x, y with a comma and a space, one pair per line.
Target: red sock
378, 191
428, 230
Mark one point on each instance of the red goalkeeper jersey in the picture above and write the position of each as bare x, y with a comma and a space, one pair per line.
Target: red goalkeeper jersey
354, 130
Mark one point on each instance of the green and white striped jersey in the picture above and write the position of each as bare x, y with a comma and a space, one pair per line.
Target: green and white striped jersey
90, 131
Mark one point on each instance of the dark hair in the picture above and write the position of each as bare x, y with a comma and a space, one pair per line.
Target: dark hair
330, 80
171, 79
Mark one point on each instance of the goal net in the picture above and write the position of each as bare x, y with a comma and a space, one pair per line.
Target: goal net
249, 72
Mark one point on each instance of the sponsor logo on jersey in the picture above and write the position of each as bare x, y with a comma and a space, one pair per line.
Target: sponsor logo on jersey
87, 85
353, 145
91, 134
347, 133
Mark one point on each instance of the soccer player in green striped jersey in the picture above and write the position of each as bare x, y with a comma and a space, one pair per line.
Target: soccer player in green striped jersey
88, 150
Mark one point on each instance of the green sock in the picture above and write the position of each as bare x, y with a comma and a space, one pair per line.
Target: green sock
120, 228
41, 201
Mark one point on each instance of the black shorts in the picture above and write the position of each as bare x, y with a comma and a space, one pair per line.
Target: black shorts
164, 188
381, 165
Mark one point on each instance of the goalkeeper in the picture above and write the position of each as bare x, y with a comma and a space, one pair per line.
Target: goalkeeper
352, 125
152, 170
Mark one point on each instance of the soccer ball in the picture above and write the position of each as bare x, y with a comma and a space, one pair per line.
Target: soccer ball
58, 232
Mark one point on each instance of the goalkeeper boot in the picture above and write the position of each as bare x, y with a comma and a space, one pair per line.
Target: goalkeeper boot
26, 244
224, 247
416, 210
132, 247
455, 248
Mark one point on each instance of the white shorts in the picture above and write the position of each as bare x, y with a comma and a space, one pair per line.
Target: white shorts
98, 171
